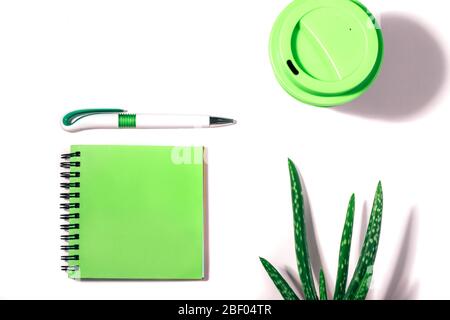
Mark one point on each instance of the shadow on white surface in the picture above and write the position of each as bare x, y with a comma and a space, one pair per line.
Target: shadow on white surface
413, 73
293, 277
363, 227
400, 286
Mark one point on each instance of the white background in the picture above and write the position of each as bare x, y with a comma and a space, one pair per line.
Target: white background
211, 57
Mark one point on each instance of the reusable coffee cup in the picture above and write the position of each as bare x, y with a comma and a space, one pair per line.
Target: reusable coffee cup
326, 52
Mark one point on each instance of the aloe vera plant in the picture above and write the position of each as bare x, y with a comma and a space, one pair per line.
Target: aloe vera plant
360, 282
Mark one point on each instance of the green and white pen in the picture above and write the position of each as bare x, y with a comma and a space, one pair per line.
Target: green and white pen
117, 118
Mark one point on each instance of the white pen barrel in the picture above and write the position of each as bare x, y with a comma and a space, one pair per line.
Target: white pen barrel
99, 121
142, 121
161, 121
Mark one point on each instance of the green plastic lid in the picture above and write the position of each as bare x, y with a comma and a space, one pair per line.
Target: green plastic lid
326, 52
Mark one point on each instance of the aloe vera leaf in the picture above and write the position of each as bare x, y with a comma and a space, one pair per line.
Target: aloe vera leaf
301, 247
344, 252
281, 284
322, 286
370, 246
365, 285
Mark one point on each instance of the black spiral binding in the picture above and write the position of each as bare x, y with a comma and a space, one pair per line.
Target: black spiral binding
71, 218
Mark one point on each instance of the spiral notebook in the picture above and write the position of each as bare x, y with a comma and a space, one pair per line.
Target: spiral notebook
133, 212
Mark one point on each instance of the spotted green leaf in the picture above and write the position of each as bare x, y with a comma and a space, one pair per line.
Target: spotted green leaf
301, 247
365, 285
370, 246
281, 284
344, 252
322, 286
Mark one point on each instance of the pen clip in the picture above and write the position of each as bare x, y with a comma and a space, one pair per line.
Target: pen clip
72, 117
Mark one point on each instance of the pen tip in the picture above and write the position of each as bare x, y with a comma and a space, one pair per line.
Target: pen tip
218, 121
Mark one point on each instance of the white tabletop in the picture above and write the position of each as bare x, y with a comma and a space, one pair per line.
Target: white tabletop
211, 57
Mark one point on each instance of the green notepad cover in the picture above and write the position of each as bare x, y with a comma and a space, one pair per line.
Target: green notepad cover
141, 212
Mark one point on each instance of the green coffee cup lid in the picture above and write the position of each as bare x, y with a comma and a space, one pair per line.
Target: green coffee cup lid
326, 52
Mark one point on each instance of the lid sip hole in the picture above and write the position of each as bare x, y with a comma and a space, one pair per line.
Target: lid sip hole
292, 67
